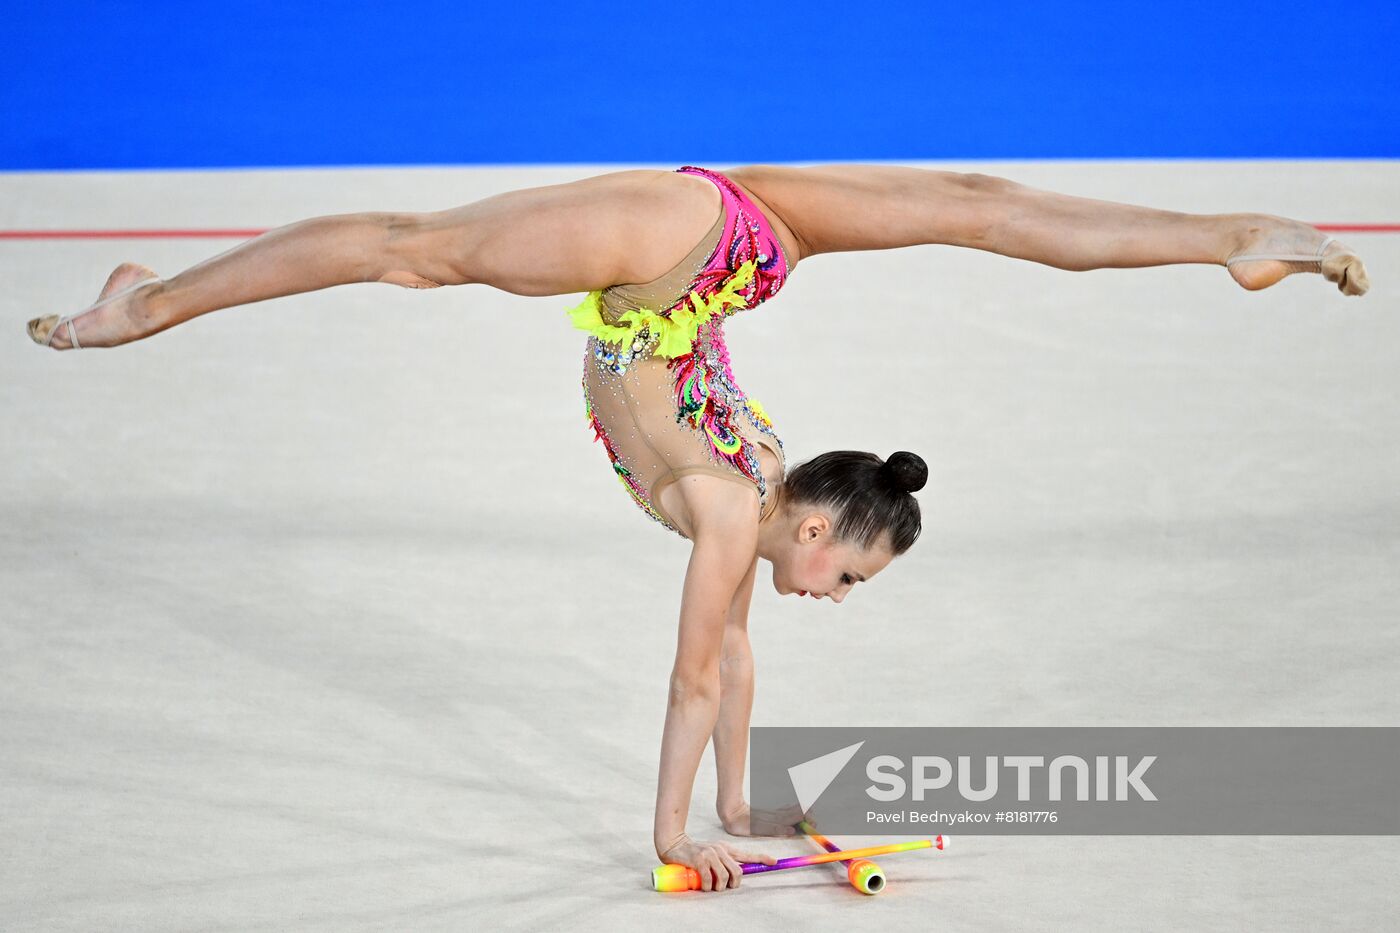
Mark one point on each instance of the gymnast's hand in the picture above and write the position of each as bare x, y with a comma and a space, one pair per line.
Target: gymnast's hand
717, 862
740, 820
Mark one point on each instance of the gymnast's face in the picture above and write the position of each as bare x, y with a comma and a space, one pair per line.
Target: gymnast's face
811, 562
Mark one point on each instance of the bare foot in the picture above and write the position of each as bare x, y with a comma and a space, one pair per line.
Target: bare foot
1279, 236
110, 325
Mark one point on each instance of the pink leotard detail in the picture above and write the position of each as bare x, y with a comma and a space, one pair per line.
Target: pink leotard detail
747, 235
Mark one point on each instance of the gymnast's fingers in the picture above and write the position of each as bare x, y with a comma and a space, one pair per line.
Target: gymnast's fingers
734, 871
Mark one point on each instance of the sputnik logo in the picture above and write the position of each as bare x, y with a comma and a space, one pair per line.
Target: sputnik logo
811, 778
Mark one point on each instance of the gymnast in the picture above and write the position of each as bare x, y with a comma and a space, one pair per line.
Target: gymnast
665, 257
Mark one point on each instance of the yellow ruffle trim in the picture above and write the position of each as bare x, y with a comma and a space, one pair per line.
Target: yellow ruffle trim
758, 411
677, 331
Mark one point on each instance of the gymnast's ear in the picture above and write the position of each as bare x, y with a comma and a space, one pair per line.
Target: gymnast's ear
814, 526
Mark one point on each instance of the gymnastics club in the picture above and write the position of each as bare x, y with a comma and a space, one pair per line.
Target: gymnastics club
865, 876
685, 878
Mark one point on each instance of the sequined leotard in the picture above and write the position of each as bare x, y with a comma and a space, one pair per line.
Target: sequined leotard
657, 385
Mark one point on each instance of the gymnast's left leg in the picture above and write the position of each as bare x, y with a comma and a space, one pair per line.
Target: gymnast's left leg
831, 208
304, 256
625, 226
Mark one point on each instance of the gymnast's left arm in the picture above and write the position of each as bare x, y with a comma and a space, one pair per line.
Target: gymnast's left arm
731, 735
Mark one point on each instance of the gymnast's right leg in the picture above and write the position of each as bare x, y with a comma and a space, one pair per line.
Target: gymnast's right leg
832, 208
627, 226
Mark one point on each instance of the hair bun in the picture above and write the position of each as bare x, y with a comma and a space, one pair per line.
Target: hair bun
905, 471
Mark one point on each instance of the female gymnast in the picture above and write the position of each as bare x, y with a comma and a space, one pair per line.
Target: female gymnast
688, 445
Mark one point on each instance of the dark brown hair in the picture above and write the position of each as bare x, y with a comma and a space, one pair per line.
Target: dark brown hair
869, 497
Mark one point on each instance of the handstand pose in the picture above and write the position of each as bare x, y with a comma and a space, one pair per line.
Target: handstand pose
688, 445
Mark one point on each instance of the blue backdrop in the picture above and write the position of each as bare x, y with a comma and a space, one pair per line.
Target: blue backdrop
255, 83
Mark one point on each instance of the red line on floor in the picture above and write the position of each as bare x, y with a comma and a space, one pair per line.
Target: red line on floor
249, 234
1360, 228
127, 234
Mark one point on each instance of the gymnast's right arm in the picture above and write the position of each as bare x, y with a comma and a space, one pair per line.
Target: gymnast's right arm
719, 561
